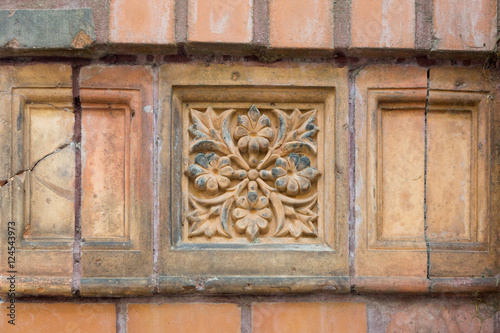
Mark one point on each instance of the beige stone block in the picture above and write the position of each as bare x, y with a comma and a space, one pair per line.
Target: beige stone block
254, 193
38, 177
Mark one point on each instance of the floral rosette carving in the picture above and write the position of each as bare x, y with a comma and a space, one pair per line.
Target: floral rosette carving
255, 178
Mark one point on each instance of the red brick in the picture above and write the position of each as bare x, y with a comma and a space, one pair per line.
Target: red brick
228, 21
61, 317
142, 21
383, 23
308, 317
301, 24
193, 317
465, 25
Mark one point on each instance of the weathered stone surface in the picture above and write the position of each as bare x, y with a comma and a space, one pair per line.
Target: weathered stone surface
72, 28
190, 317
244, 209
308, 317
39, 175
117, 145
61, 317
462, 25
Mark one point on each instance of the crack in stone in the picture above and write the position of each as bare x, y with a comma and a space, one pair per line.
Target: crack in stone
4, 182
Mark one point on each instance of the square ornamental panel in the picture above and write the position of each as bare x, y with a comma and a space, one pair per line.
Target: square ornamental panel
254, 178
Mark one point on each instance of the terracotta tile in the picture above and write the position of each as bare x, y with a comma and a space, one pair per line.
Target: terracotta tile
116, 180
308, 317
189, 317
61, 317
390, 157
220, 21
382, 23
142, 22
461, 25
38, 175
241, 242
301, 24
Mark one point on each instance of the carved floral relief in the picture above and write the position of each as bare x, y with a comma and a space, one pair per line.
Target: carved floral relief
252, 174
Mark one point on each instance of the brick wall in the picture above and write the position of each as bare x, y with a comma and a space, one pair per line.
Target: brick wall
249, 166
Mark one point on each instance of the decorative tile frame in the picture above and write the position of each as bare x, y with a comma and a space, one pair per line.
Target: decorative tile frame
251, 261
429, 222
117, 156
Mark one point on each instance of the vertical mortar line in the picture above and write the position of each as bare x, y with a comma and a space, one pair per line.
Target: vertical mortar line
181, 21
121, 316
352, 175
260, 17
342, 24
77, 109
246, 317
156, 177
426, 111
423, 24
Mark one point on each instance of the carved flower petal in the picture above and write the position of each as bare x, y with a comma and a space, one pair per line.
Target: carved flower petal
263, 122
266, 132
242, 202
241, 225
262, 223
263, 143
265, 213
223, 161
244, 121
212, 186
224, 182
278, 172
304, 162
266, 174
195, 170
310, 173
292, 187
281, 162
239, 132
293, 160
254, 114
252, 229
243, 143
262, 202
226, 171
304, 184
281, 183
201, 182
201, 159
252, 186
213, 158
239, 213
252, 198
253, 145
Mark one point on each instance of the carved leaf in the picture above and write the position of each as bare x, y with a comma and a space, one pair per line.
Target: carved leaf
207, 132
208, 221
298, 221
300, 130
